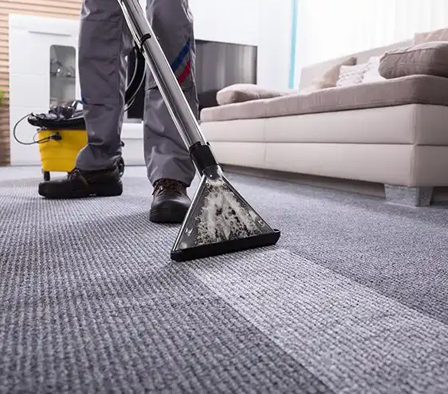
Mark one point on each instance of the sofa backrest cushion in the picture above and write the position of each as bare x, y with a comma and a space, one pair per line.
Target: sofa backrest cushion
309, 74
430, 58
435, 35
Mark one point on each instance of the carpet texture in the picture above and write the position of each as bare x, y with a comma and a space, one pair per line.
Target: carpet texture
353, 299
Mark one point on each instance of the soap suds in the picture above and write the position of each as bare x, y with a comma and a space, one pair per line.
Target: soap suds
223, 217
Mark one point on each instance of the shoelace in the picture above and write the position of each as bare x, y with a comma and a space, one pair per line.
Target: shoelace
76, 174
168, 185
73, 174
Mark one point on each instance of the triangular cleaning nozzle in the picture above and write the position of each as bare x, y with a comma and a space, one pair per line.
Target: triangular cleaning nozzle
220, 221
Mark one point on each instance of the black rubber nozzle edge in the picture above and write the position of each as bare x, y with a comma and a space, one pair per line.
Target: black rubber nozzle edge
236, 245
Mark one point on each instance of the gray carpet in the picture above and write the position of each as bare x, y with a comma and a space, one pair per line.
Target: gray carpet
353, 299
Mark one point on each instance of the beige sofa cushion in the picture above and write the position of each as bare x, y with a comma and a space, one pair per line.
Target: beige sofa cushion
430, 58
435, 35
415, 89
240, 93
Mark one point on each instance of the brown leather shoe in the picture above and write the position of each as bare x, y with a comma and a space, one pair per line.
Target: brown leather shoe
170, 203
80, 184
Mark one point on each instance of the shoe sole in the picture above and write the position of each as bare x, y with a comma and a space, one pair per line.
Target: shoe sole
168, 215
98, 191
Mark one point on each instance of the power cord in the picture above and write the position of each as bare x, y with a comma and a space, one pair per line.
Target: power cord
56, 136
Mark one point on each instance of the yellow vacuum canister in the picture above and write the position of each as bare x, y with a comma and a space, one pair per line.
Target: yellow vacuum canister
59, 148
60, 136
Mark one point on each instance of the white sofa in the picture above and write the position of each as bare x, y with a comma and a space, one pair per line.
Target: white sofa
392, 133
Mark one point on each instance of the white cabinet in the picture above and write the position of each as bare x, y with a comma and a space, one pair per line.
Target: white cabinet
42, 53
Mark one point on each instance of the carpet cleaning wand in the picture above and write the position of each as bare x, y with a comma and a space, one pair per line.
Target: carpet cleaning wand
219, 220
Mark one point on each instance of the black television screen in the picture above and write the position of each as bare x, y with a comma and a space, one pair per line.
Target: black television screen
218, 65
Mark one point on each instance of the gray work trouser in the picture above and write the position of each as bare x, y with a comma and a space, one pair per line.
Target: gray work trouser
104, 42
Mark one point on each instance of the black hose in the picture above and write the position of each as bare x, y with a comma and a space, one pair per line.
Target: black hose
138, 75
54, 136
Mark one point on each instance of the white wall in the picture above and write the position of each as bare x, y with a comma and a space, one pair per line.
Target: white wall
331, 29
274, 42
233, 21
264, 23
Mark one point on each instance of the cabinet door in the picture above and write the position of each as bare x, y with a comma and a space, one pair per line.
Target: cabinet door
33, 41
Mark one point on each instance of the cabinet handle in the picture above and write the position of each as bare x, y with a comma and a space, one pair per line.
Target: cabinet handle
49, 33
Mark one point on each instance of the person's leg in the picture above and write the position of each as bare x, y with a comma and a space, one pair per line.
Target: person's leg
170, 168
103, 44
104, 41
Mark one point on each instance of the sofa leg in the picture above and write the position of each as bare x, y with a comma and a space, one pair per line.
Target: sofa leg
410, 196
